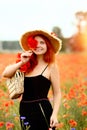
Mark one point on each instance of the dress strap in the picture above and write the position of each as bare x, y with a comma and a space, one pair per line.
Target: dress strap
44, 69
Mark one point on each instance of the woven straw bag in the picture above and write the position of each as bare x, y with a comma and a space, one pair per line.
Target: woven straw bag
15, 85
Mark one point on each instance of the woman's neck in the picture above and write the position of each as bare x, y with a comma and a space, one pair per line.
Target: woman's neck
40, 60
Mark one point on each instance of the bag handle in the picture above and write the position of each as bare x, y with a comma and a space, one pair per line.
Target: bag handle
19, 73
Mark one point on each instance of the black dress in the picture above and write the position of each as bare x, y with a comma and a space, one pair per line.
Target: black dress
35, 109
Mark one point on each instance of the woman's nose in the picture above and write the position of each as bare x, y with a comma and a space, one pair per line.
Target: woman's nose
38, 44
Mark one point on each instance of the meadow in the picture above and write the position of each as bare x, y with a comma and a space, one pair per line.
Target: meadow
73, 81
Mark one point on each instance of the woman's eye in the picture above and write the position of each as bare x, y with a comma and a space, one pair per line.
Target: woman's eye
42, 42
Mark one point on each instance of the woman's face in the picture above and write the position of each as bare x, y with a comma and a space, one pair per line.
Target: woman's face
41, 46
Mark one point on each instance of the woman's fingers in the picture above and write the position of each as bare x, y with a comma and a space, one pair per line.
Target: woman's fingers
26, 56
53, 122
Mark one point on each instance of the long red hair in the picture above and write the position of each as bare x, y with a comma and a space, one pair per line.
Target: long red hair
48, 57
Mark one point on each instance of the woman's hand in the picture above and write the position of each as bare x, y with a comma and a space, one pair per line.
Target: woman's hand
53, 121
26, 56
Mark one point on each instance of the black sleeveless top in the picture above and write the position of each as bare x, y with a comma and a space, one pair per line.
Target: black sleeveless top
36, 87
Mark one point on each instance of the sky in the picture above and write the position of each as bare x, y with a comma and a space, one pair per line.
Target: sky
19, 16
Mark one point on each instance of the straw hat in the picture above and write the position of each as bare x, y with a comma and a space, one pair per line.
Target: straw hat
56, 42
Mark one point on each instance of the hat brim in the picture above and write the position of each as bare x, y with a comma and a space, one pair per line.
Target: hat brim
55, 41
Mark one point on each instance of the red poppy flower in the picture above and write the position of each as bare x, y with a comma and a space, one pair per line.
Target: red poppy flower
32, 43
1, 124
24, 67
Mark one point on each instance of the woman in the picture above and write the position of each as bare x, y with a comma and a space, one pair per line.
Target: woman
38, 64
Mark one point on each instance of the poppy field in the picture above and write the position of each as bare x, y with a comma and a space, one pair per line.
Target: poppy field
73, 80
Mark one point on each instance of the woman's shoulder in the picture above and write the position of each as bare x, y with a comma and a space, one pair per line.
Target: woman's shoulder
54, 67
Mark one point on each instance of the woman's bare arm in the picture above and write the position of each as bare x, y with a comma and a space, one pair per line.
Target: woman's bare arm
55, 80
11, 69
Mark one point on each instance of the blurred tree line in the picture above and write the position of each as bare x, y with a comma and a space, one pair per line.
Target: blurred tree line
77, 42
12, 45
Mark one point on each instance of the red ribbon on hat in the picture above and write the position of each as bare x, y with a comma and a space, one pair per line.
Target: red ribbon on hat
53, 34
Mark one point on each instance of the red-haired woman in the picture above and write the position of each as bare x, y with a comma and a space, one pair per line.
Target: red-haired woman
41, 71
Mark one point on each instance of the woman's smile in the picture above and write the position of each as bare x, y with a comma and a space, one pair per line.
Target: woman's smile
39, 49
